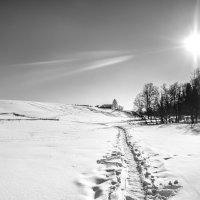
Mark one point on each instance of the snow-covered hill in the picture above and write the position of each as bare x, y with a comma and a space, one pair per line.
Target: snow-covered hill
44, 159
10, 109
52, 151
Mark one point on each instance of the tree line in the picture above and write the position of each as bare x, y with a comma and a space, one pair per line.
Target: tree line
174, 103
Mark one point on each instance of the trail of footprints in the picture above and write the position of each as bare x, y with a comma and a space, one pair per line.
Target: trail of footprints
115, 168
125, 175
153, 188
121, 172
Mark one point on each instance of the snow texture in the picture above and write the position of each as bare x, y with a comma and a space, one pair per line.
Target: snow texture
56, 152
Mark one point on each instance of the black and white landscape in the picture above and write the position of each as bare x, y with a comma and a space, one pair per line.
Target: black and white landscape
99, 99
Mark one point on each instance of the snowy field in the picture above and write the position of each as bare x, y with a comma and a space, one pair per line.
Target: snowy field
66, 152
174, 154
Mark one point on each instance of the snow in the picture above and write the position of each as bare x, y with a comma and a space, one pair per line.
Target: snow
52, 151
44, 159
174, 151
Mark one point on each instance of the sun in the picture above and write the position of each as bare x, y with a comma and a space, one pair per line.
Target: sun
192, 43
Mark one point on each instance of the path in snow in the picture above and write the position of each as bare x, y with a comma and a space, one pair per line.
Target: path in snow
134, 189
126, 176
120, 179
154, 187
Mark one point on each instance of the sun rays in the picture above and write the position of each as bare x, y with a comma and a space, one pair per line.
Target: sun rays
192, 42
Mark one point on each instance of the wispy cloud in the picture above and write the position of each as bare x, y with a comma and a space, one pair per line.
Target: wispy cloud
88, 55
103, 63
49, 62
59, 69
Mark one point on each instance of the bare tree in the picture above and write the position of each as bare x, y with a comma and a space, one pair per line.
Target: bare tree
150, 96
173, 103
174, 95
139, 103
196, 93
148, 99
164, 108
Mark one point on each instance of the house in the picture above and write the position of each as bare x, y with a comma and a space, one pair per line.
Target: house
113, 106
106, 106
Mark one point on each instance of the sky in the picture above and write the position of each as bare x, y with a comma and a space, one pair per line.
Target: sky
92, 51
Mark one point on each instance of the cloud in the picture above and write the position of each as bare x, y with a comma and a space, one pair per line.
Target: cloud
88, 55
103, 63
49, 62
68, 70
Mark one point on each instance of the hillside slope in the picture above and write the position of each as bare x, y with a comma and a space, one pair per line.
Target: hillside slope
55, 151
46, 159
